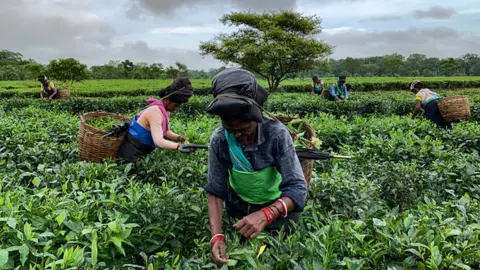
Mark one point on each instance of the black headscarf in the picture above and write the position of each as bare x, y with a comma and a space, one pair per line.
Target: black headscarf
179, 91
239, 82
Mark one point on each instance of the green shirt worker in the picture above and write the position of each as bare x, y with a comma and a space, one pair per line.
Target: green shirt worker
253, 167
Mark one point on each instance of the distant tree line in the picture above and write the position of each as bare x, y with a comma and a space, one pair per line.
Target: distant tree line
415, 65
13, 66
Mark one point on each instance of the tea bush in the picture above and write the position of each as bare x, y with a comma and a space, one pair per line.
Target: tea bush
408, 199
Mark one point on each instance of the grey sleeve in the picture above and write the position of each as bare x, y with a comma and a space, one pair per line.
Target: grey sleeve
217, 170
293, 184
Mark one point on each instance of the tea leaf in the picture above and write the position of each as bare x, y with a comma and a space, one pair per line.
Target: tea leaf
113, 226
94, 249
27, 230
261, 250
12, 223
415, 252
232, 262
61, 217
475, 226
23, 254
379, 222
454, 232
3, 258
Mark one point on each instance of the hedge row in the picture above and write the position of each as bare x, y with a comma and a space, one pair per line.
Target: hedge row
284, 103
301, 88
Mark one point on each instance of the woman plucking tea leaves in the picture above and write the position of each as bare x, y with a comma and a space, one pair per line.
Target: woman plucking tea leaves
253, 166
427, 100
150, 128
47, 88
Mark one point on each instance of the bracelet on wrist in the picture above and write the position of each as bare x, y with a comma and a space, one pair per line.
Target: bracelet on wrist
268, 214
284, 206
215, 238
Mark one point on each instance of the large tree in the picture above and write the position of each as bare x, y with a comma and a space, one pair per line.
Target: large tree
274, 45
67, 70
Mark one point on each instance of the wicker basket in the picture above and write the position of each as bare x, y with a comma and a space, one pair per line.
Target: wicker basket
454, 108
64, 93
307, 164
90, 145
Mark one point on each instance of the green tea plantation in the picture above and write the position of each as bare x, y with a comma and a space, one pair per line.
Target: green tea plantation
409, 199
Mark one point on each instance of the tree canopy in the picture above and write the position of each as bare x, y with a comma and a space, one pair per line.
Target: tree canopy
67, 70
274, 45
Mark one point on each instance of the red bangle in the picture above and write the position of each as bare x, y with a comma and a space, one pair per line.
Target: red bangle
216, 238
268, 214
273, 213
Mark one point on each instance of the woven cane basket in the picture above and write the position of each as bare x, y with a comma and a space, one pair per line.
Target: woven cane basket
454, 108
90, 145
64, 93
307, 164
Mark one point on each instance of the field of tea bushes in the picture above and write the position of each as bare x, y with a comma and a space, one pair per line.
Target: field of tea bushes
410, 198
114, 88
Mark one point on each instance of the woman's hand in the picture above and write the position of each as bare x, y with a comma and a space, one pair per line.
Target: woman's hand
219, 253
181, 139
252, 225
185, 149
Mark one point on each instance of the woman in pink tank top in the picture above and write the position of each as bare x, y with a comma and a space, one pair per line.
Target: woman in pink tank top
150, 128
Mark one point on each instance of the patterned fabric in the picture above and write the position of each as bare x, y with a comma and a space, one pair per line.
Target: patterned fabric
273, 147
49, 88
426, 95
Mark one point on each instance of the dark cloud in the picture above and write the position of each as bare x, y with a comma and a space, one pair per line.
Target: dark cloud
27, 25
69, 30
436, 41
435, 13
136, 9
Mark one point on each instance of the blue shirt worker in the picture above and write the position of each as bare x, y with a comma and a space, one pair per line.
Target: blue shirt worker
339, 90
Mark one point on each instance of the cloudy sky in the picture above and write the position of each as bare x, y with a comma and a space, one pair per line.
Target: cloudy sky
96, 31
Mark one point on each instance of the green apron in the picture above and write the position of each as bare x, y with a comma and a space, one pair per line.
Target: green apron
255, 187
339, 91
318, 88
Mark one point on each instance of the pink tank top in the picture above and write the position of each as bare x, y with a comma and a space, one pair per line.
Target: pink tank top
161, 106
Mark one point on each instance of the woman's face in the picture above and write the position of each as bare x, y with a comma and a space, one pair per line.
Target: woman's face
171, 106
241, 130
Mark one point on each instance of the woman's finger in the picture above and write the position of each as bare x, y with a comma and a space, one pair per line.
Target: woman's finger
239, 224
250, 232
245, 229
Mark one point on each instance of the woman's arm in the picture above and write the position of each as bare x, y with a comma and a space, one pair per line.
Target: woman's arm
215, 211
155, 121
418, 109
55, 91
173, 136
